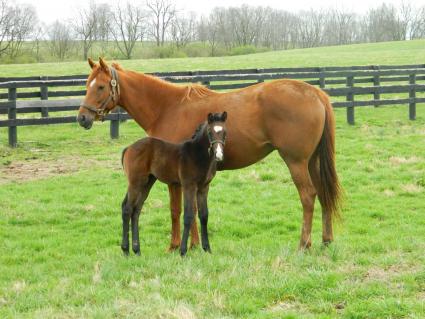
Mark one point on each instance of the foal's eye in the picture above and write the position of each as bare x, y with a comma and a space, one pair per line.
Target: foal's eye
101, 87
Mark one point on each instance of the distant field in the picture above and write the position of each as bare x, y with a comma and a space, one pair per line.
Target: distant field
405, 52
60, 219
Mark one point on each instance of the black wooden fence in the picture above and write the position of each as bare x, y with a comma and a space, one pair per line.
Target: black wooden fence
343, 84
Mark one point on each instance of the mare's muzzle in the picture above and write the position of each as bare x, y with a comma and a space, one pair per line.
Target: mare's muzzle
85, 120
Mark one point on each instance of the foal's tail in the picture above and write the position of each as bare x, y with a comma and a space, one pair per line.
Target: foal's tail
328, 189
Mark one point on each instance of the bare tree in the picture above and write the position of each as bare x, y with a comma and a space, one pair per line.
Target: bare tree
60, 37
16, 25
103, 26
183, 29
128, 28
5, 26
161, 14
85, 27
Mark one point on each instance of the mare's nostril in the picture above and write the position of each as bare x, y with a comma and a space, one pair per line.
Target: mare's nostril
83, 118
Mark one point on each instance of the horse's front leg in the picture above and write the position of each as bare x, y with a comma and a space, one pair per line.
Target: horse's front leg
175, 192
202, 201
189, 194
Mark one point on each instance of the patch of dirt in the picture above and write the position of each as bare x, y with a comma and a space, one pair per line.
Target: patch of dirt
22, 171
399, 160
284, 306
376, 273
389, 193
412, 188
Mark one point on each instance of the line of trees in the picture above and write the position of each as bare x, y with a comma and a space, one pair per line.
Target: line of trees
162, 24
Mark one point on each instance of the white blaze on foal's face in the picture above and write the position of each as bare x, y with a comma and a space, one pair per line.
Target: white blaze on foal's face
219, 152
218, 128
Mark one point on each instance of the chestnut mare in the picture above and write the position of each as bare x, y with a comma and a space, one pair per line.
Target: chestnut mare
191, 164
292, 117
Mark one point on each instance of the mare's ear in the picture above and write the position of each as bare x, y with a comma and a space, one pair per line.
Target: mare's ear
224, 116
91, 63
210, 118
103, 64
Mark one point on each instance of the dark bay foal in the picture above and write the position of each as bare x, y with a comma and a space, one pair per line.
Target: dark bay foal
191, 164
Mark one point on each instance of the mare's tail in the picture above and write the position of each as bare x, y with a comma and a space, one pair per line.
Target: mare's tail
328, 189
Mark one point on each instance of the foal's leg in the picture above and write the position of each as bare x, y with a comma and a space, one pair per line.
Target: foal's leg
135, 216
202, 201
189, 194
129, 204
126, 213
307, 192
175, 192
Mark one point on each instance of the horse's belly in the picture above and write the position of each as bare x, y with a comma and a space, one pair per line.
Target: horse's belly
243, 157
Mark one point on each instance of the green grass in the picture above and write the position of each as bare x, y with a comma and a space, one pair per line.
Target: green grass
403, 52
60, 225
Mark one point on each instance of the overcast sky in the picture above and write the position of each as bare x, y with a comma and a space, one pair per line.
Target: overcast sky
51, 10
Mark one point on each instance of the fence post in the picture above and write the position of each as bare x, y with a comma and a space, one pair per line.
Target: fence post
322, 82
376, 82
114, 128
259, 71
44, 93
11, 115
350, 97
412, 96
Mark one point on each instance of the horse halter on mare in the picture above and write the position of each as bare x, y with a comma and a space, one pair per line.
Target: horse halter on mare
114, 94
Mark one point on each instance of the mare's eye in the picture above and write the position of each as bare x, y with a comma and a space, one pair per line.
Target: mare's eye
101, 87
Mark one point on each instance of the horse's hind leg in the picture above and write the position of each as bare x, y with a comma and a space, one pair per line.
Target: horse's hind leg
307, 192
129, 205
144, 192
126, 214
327, 231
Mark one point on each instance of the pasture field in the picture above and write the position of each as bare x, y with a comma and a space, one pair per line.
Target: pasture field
60, 223
402, 52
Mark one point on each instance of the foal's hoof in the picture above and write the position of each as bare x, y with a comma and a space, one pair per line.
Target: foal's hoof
207, 249
125, 250
183, 252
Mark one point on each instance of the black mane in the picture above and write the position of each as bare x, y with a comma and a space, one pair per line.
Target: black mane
198, 131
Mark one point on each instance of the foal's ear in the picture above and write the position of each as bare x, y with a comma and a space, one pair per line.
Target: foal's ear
103, 64
91, 63
224, 116
210, 118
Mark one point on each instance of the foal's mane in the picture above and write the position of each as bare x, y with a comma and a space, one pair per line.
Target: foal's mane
198, 132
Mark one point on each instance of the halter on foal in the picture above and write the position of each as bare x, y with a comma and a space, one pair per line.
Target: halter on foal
191, 164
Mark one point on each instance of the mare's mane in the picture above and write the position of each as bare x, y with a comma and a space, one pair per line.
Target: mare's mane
192, 90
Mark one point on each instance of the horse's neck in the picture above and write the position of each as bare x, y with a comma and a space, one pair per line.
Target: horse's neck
145, 98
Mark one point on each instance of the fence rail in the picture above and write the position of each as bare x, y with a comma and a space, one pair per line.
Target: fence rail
338, 82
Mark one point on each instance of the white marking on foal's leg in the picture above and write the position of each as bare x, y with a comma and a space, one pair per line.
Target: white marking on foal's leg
92, 83
218, 128
219, 152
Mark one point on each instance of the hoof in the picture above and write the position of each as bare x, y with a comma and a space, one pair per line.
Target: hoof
305, 245
125, 250
207, 250
326, 243
173, 247
183, 253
